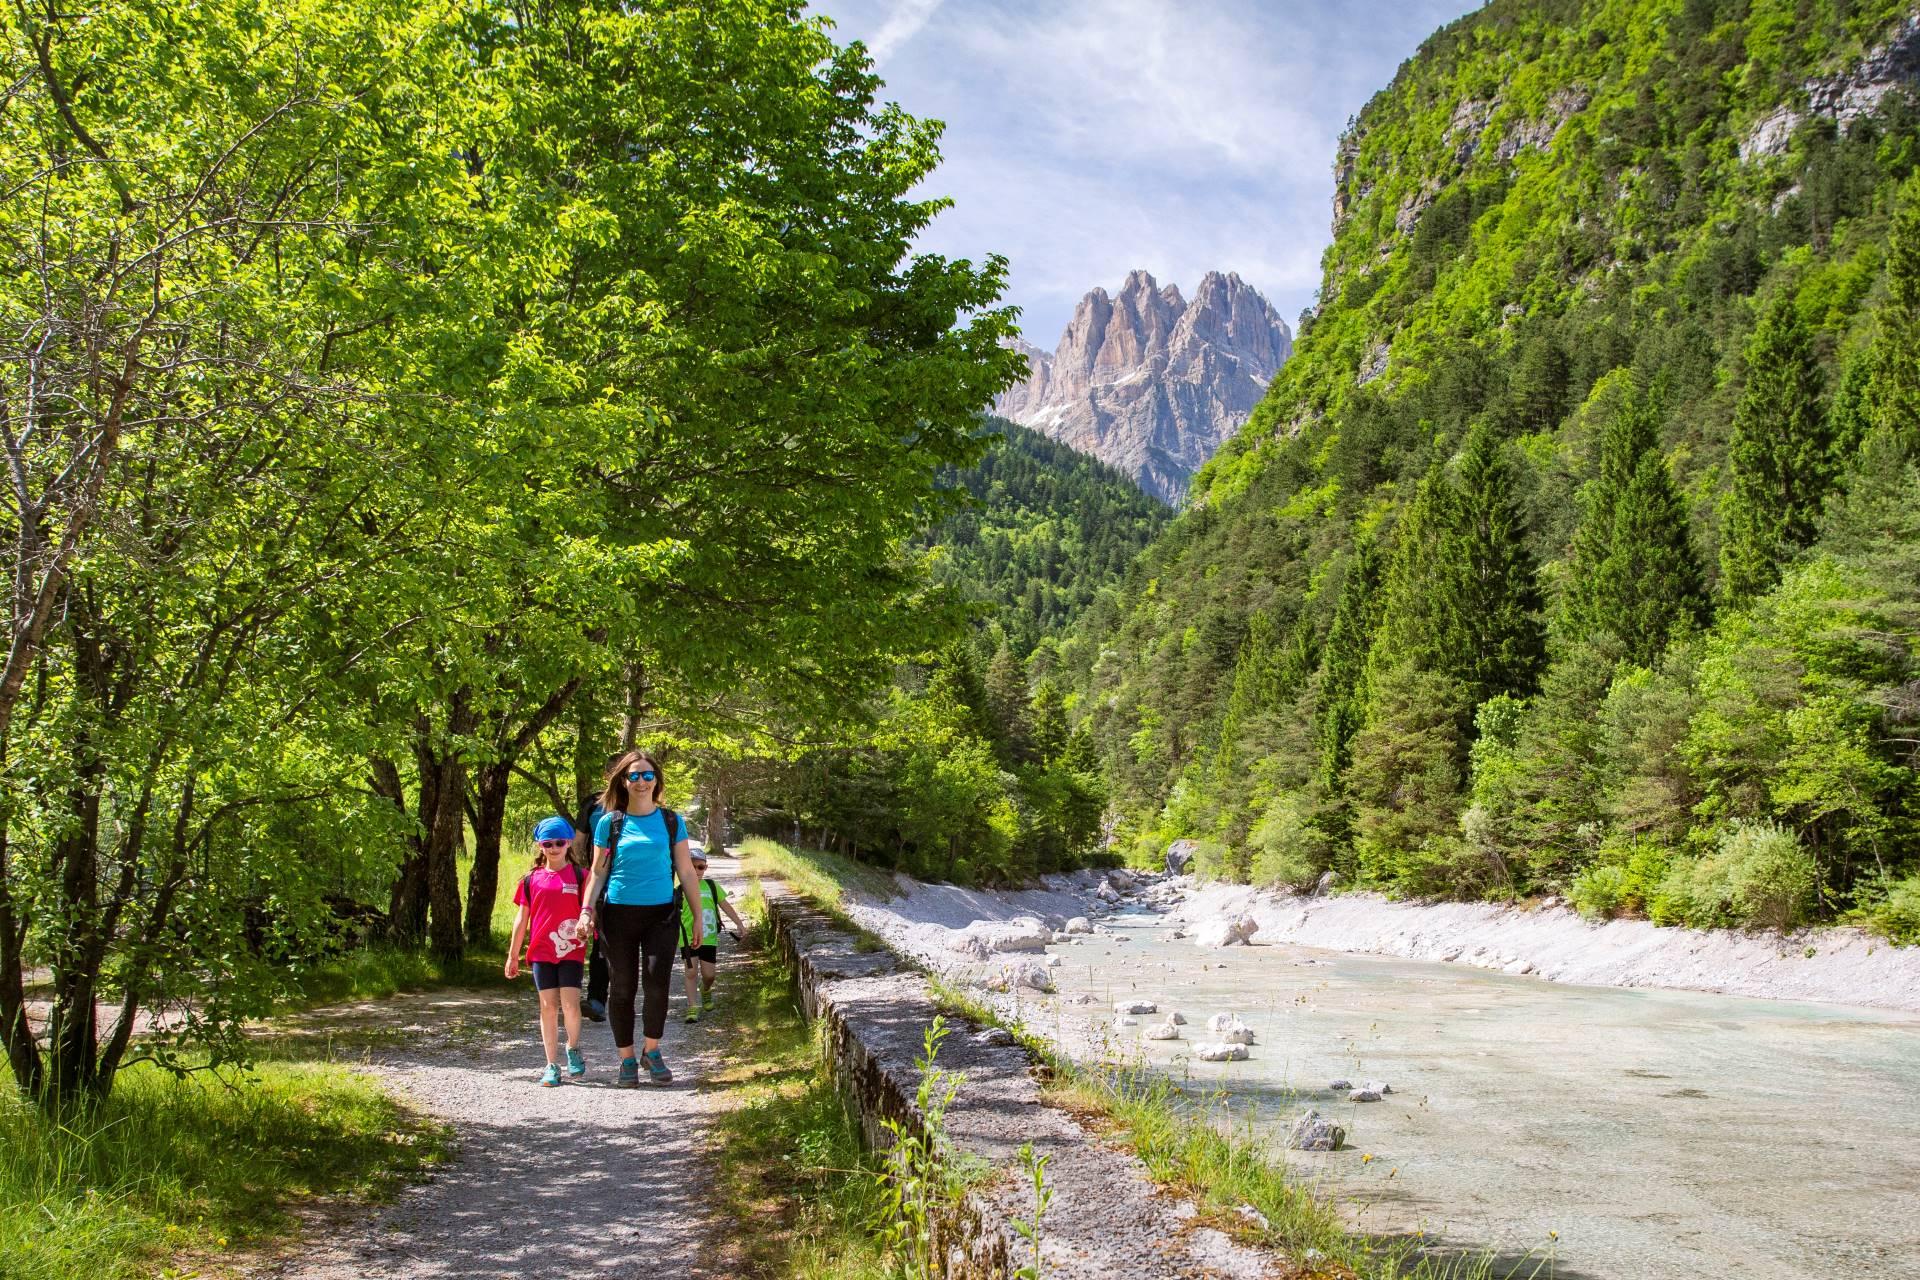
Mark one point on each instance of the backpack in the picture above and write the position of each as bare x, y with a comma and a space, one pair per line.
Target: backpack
526, 882
709, 893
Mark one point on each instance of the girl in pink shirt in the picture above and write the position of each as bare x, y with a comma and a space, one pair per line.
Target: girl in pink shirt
549, 898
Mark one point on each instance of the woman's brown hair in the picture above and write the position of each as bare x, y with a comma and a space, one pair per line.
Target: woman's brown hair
614, 798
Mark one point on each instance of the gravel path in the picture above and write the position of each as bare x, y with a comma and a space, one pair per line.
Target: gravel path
586, 1180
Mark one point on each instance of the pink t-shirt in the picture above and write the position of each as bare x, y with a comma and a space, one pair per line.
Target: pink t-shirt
556, 914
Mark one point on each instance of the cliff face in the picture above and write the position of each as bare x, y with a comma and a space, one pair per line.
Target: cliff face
1151, 383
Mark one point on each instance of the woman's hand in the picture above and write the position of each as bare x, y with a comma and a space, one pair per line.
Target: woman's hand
513, 966
585, 923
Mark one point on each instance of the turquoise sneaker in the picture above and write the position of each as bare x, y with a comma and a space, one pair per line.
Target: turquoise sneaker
576, 1065
551, 1076
629, 1073
657, 1068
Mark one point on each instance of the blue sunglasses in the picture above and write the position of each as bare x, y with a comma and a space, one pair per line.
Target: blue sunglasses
641, 775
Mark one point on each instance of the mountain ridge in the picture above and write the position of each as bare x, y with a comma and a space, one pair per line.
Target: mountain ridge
1149, 382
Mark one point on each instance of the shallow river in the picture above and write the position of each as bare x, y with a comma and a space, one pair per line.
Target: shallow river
1658, 1133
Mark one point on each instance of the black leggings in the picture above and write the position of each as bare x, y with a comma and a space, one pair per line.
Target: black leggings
641, 942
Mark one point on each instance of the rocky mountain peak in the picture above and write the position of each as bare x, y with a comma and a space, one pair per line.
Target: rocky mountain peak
1152, 383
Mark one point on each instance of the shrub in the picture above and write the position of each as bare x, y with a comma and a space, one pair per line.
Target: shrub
1894, 912
1213, 861
1288, 850
1760, 874
1624, 879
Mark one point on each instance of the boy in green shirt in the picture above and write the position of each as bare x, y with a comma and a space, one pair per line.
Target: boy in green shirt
713, 900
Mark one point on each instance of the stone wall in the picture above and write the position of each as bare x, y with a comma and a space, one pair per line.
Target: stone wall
1107, 1218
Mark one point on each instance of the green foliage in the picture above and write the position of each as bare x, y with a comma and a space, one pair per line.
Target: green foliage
1759, 874
1623, 879
1780, 454
1048, 529
478, 375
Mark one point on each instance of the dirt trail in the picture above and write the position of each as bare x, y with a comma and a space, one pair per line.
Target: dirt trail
586, 1180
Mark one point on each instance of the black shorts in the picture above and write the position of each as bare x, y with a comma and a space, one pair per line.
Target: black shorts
709, 952
548, 974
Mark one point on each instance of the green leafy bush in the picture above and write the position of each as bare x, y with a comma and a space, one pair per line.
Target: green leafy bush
1623, 879
1288, 849
1895, 914
1759, 875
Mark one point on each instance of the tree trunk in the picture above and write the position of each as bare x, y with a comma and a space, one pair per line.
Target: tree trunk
445, 825
716, 833
489, 819
407, 904
636, 705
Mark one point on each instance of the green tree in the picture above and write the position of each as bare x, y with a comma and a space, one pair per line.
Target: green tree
1649, 588
1488, 595
1893, 388
1780, 455
1631, 432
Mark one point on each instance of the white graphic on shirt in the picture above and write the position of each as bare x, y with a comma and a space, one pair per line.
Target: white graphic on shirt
566, 939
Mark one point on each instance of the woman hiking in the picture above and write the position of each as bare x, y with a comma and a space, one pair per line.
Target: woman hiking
639, 849
549, 898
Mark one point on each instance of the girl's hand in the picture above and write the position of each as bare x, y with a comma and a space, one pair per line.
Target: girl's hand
513, 966
585, 923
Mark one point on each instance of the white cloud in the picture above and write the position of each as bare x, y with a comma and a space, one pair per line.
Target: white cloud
1088, 137
906, 21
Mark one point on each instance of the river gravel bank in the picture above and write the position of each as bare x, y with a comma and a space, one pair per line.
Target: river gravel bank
1551, 942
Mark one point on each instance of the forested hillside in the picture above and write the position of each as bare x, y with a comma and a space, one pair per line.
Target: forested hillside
1049, 528
969, 770
1576, 549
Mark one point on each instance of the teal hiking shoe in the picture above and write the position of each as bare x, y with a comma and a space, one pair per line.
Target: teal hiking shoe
657, 1068
551, 1076
629, 1073
576, 1065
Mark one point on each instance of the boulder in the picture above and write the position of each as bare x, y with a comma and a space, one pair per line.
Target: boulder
1237, 1035
983, 938
1135, 1006
1314, 1132
1222, 1021
1180, 856
1177, 1018
1054, 962
1364, 1095
1079, 924
1124, 1021
996, 1036
1017, 974
1225, 933
1378, 1086
1340, 1086
1163, 1031
1220, 1052
1106, 892
1082, 998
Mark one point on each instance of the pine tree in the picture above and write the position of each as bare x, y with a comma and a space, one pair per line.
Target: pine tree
1632, 432
1048, 716
1780, 454
1006, 701
1649, 588
1487, 594
1412, 621
1343, 662
1894, 381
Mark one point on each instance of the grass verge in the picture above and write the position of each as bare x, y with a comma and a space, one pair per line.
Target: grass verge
167, 1174
789, 1162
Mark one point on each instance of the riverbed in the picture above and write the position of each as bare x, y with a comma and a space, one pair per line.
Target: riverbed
1626, 1134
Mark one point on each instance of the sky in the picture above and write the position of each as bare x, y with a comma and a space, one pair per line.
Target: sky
1089, 137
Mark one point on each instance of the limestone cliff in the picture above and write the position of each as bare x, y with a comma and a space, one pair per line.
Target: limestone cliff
1151, 383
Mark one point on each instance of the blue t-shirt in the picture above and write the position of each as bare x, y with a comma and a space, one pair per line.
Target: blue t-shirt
642, 874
